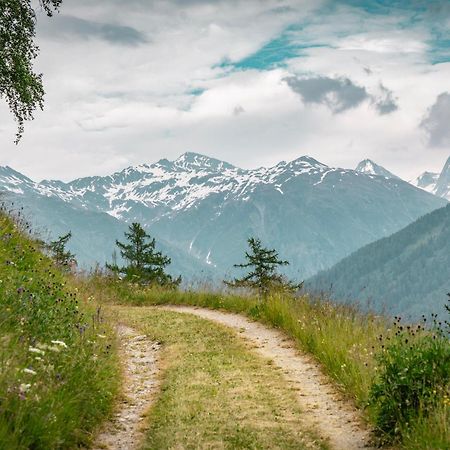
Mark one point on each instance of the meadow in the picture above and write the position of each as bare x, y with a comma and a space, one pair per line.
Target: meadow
58, 364
60, 373
398, 374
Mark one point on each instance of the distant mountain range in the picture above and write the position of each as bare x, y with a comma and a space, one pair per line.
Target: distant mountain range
436, 183
202, 210
407, 273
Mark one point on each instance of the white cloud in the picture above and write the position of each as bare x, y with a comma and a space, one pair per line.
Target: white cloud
436, 123
110, 105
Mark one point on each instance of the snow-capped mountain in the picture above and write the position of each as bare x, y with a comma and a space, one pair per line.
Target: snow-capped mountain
426, 181
370, 168
203, 210
436, 183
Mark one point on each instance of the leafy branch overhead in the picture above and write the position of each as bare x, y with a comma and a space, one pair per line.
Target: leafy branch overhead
20, 86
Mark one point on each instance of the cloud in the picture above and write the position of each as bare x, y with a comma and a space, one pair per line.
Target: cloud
141, 80
436, 122
386, 103
69, 26
238, 109
339, 94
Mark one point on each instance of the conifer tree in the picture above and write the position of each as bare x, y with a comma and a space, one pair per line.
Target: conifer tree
59, 252
145, 264
263, 275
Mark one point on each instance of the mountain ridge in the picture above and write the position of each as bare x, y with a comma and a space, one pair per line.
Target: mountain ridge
369, 167
205, 209
435, 183
405, 273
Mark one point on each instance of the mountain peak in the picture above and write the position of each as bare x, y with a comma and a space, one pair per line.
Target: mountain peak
195, 161
369, 167
306, 160
443, 182
11, 174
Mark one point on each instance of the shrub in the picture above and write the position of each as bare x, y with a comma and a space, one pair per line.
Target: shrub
413, 378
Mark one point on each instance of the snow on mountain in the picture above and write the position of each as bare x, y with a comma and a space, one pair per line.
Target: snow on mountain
435, 183
13, 181
370, 168
170, 185
426, 181
443, 182
204, 209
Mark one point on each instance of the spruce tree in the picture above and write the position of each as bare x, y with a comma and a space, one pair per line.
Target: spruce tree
145, 265
59, 253
263, 275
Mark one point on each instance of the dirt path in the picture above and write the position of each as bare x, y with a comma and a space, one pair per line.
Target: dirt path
324, 408
139, 356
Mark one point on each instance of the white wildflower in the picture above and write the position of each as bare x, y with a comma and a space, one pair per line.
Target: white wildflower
101, 336
54, 348
24, 387
61, 343
36, 350
30, 371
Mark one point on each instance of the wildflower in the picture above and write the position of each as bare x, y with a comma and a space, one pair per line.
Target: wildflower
61, 343
30, 371
54, 348
24, 387
101, 336
36, 350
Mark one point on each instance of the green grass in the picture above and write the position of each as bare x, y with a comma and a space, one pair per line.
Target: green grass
215, 392
345, 341
341, 338
52, 394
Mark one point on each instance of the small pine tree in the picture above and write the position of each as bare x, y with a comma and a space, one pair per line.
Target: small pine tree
59, 253
145, 265
263, 277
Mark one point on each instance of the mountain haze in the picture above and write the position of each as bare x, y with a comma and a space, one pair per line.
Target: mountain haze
406, 273
203, 210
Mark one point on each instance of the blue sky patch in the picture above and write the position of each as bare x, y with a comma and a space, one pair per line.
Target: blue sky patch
273, 54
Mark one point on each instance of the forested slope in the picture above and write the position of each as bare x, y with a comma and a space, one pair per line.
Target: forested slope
406, 273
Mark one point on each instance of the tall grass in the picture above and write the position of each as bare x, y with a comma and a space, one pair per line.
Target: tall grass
347, 343
58, 369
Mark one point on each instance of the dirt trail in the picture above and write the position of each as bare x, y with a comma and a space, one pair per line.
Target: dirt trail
334, 419
139, 356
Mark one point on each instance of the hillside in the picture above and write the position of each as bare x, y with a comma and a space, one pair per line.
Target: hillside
93, 233
406, 273
203, 210
58, 378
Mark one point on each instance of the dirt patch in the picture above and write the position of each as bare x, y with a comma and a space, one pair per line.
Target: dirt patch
139, 356
334, 418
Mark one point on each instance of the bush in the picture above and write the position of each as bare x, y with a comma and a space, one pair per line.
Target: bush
413, 378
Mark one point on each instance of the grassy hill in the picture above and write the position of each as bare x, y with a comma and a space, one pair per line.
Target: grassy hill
58, 378
59, 368
407, 273
365, 354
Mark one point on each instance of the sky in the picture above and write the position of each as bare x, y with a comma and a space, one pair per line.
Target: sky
251, 82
